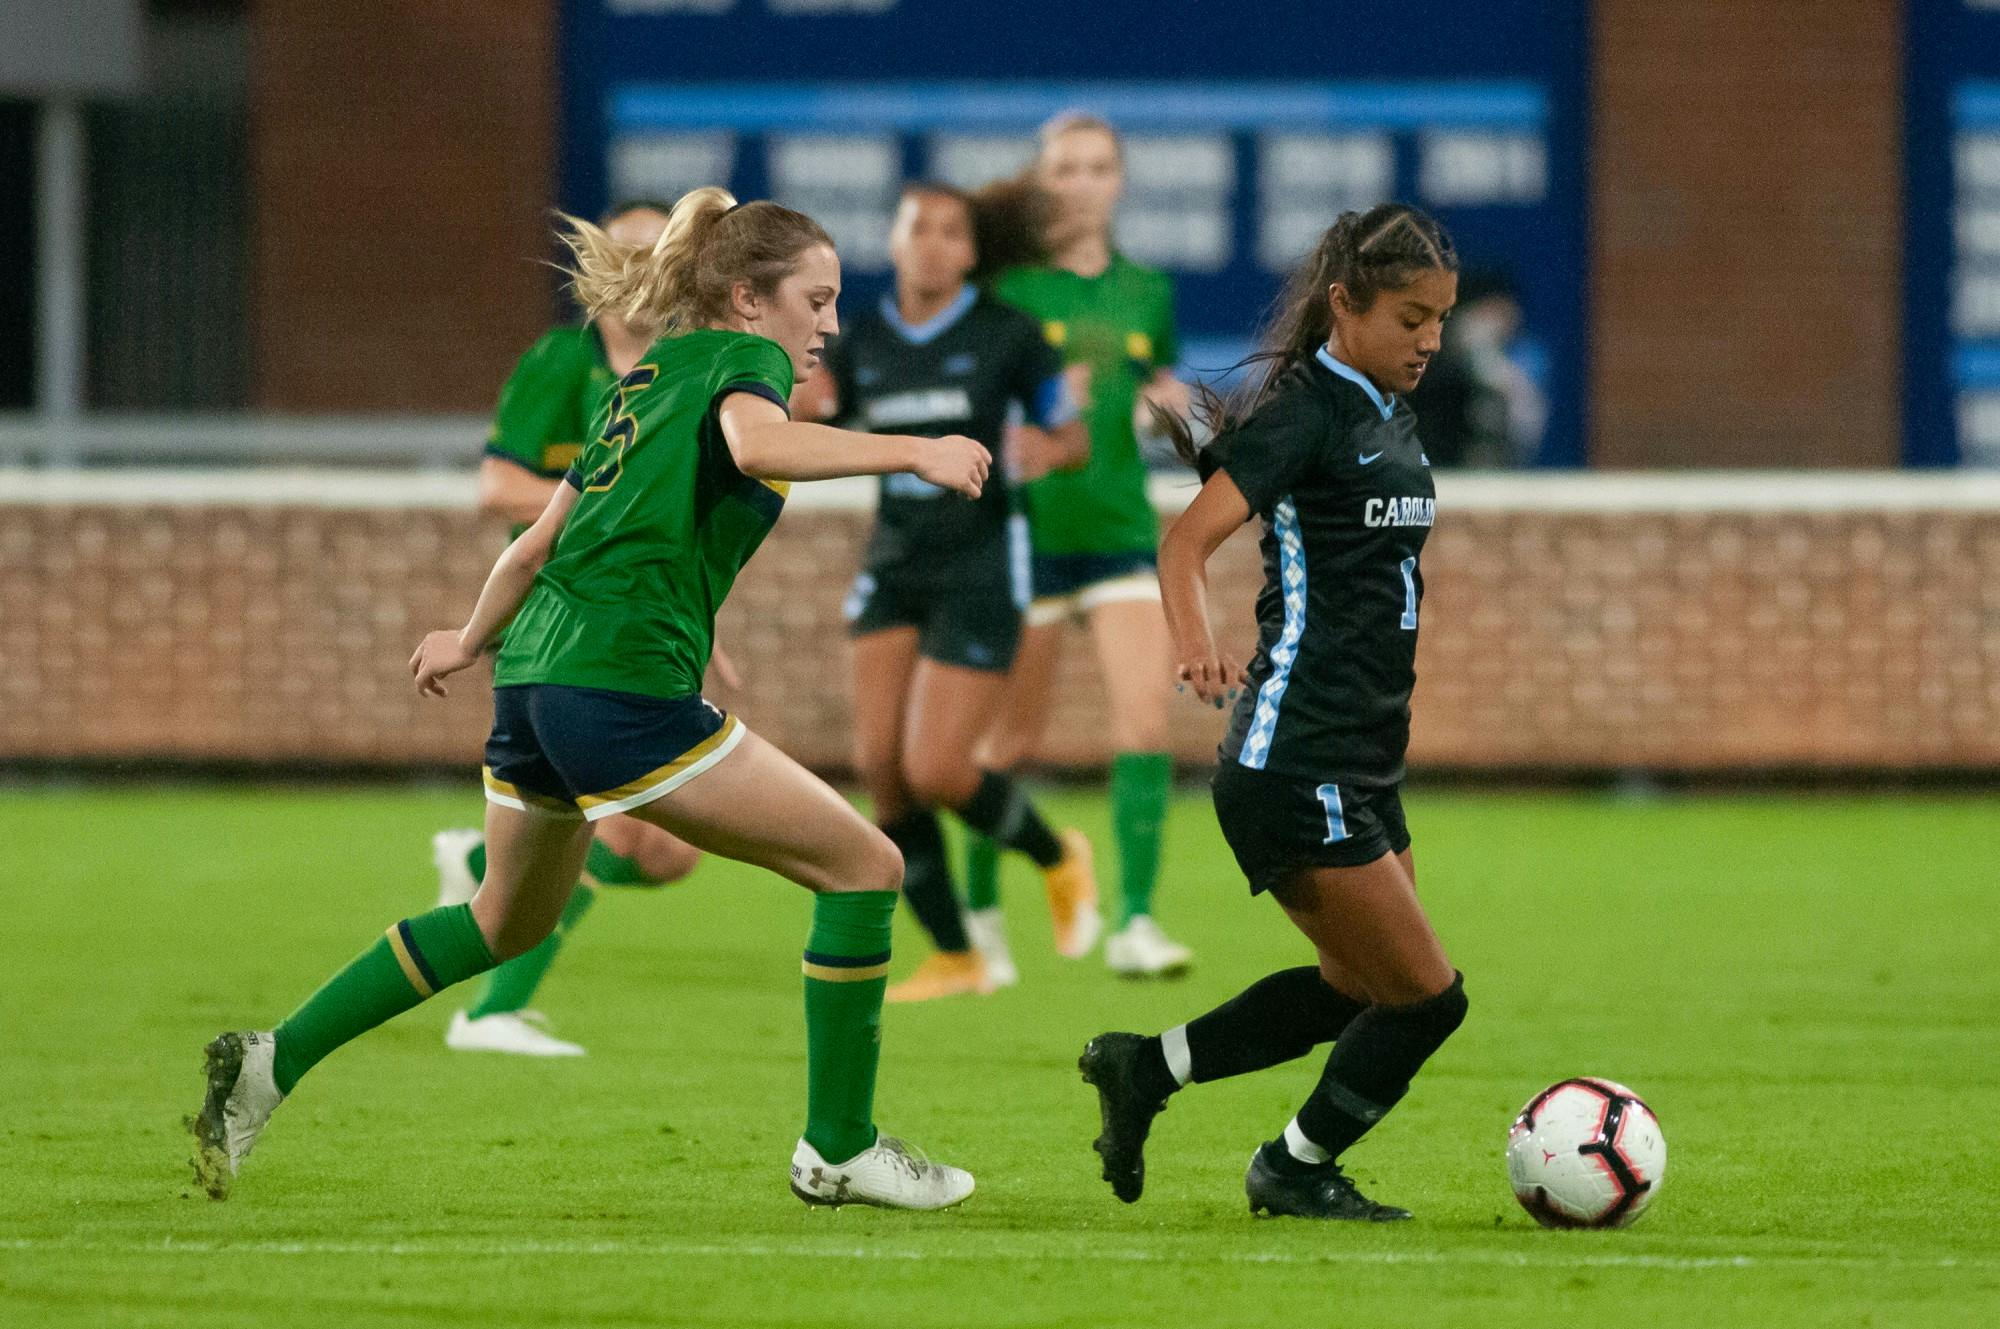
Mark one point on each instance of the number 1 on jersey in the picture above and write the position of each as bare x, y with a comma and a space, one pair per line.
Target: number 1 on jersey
1336, 816
1409, 595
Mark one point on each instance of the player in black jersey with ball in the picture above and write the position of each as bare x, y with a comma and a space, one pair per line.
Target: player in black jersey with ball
1307, 791
936, 612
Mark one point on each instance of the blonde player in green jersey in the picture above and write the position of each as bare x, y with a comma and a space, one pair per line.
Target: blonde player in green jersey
544, 415
609, 602
1093, 530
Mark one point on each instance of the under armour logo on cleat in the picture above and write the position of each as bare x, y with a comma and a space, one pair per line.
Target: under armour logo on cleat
1368, 457
839, 1184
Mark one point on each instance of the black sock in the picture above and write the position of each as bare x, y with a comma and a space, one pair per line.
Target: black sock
1372, 1064
999, 811
927, 878
1280, 1017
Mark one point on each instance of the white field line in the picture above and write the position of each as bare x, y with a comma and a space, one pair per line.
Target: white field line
1551, 1259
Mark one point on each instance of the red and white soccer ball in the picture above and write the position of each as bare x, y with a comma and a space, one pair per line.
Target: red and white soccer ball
1586, 1153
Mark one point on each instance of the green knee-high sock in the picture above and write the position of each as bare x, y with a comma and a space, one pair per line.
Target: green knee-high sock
982, 872
847, 969
417, 957
1139, 784
512, 986
602, 867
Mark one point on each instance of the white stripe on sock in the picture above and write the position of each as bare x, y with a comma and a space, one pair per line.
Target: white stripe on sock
1179, 1061
1299, 1147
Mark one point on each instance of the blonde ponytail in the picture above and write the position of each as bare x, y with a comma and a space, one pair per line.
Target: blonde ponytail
645, 287
683, 279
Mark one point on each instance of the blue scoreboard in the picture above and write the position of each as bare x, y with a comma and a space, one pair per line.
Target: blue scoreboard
1248, 128
1952, 298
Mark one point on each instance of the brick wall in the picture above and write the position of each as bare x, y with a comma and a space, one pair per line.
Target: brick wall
1557, 634
403, 167
1746, 293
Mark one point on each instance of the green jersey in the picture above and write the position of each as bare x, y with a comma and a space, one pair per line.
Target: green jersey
1121, 324
549, 401
663, 524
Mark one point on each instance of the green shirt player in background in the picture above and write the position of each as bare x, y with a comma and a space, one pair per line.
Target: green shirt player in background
609, 601
1093, 530
545, 413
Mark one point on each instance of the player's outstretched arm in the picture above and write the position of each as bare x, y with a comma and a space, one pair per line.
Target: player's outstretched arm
445, 652
1217, 512
768, 445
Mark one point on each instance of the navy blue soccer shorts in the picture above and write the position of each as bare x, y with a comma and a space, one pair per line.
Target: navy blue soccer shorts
591, 752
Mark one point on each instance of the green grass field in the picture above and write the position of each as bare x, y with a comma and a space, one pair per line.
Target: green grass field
1805, 989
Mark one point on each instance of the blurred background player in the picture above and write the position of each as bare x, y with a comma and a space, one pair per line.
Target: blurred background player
597, 691
544, 415
936, 612
1308, 789
1095, 535
1476, 407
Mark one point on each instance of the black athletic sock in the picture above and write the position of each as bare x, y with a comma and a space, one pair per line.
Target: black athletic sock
1001, 812
1278, 1018
927, 879
1371, 1067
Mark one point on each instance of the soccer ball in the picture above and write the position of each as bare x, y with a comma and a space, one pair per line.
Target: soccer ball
1586, 1153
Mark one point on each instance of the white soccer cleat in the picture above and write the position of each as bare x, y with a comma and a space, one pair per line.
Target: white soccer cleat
456, 884
888, 1174
988, 931
242, 1093
1141, 950
518, 1032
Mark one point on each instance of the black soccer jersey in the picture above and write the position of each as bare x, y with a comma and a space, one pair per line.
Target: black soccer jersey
962, 372
1340, 478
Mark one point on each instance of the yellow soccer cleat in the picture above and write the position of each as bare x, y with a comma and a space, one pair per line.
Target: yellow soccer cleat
1072, 887
945, 974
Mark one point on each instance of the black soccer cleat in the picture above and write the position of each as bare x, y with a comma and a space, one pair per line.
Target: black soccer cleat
1109, 1062
1321, 1192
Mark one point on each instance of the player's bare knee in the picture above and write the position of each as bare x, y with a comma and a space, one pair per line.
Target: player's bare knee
1337, 976
941, 782
665, 860
869, 862
511, 937
882, 868
883, 780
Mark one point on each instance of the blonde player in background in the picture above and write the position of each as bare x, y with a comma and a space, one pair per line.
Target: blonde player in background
1094, 532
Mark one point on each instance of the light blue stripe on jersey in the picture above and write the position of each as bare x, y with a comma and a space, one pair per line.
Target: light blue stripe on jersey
1019, 564
1353, 375
922, 334
1292, 589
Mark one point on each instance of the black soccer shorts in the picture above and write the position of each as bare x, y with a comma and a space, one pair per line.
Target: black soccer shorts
973, 626
1277, 824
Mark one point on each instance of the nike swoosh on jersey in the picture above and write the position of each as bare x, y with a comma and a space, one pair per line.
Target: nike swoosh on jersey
1367, 457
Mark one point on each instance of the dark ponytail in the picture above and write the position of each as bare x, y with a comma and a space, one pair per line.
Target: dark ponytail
1010, 225
1383, 249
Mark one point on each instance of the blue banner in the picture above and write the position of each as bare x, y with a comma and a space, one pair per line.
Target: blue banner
1951, 342
1248, 128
